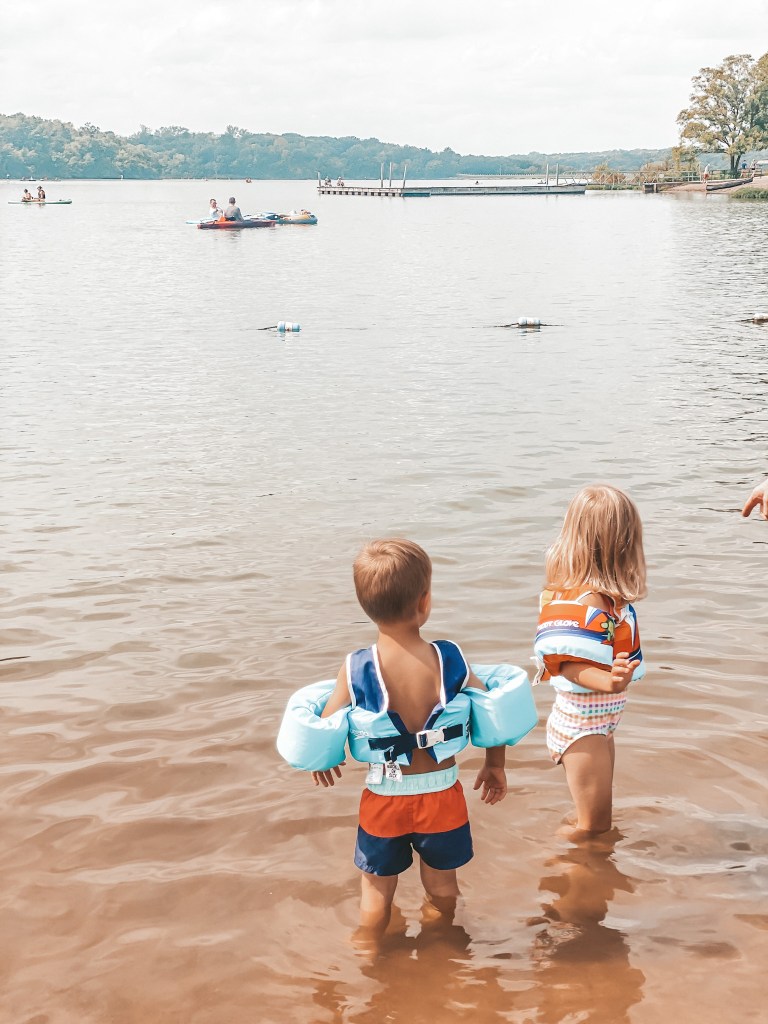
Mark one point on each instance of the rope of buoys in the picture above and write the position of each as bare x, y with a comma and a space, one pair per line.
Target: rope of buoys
283, 326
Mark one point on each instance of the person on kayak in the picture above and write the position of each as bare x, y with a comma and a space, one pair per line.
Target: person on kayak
41, 193
214, 211
27, 197
232, 212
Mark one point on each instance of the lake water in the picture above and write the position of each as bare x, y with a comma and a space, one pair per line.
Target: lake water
183, 495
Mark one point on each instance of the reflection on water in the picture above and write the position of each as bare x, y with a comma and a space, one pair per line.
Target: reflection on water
583, 965
418, 977
183, 498
577, 968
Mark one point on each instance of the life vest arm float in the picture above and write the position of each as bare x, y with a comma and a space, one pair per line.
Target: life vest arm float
504, 713
306, 740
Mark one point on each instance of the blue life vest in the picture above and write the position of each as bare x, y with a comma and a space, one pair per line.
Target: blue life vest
378, 735
499, 716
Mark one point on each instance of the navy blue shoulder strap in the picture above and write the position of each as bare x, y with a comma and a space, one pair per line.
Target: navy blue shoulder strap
454, 665
365, 688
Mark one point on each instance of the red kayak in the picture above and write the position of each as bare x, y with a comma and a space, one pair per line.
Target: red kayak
228, 225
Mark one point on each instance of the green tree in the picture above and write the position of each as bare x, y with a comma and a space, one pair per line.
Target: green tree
683, 160
728, 110
761, 98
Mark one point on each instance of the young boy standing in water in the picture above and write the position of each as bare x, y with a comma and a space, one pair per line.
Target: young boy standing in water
413, 799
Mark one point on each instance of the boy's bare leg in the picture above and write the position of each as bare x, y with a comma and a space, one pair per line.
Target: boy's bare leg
442, 889
588, 766
376, 895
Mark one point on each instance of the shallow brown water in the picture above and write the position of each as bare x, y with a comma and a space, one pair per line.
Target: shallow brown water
183, 496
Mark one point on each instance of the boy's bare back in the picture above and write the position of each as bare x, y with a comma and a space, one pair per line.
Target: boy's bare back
412, 676
411, 673
410, 668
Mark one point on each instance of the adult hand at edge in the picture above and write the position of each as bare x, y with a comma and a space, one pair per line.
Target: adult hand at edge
758, 499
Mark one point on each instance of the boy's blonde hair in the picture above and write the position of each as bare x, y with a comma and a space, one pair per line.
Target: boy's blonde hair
600, 546
390, 578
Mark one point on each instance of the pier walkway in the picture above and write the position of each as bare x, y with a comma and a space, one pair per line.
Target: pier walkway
426, 191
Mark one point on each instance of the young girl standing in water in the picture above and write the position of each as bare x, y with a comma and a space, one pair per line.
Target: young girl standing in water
587, 642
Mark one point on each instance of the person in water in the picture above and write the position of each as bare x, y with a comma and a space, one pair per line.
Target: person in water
416, 804
587, 642
758, 499
232, 212
213, 210
41, 193
27, 196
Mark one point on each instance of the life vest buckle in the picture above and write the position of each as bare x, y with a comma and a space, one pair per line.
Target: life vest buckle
429, 737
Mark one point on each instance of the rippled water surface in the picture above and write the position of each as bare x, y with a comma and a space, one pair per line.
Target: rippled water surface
182, 498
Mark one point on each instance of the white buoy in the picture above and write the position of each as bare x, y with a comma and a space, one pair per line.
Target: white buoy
288, 326
528, 321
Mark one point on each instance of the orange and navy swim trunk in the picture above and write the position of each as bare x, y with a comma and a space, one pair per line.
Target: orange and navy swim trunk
434, 824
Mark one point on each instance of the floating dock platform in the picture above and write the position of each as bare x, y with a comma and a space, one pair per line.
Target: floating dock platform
426, 191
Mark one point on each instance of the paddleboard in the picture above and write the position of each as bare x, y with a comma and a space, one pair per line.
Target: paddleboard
40, 202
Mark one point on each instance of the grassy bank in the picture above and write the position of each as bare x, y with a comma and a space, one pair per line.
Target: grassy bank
751, 193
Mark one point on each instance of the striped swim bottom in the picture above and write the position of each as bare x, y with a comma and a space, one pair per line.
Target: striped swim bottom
395, 823
575, 715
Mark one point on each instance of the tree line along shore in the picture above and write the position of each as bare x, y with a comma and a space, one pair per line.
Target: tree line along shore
726, 120
33, 147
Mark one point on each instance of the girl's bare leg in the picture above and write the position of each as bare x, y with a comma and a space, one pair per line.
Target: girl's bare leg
588, 766
442, 889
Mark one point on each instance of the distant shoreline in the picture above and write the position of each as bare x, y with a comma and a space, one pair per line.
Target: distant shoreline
38, 147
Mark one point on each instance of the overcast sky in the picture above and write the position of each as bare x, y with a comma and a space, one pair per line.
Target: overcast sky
480, 76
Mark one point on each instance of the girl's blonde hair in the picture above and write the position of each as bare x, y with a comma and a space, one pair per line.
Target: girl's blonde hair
600, 546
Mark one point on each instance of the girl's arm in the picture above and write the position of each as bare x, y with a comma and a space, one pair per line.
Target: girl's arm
603, 680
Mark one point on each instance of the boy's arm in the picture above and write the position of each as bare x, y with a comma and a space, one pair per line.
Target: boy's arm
474, 682
339, 699
603, 680
492, 776
339, 696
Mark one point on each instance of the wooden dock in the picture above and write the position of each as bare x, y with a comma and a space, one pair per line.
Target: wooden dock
372, 190
427, 191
